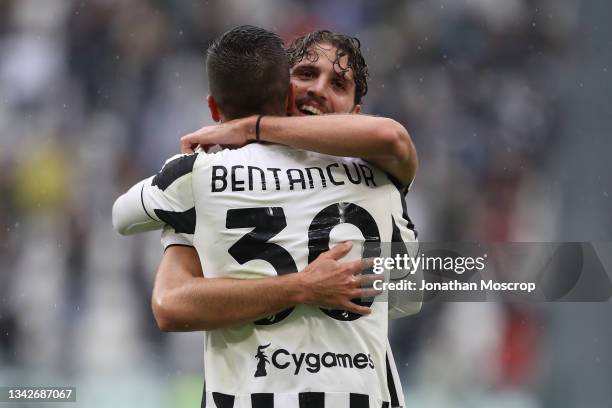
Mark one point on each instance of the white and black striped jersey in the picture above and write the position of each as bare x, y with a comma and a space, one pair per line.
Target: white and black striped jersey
266, 210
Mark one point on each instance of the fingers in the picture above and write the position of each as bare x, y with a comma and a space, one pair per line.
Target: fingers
361, 294
368, 280
368, 293
355, 308
365, 293
338, 251
202, 136
186, 149
359, 265
368, 262
187, 146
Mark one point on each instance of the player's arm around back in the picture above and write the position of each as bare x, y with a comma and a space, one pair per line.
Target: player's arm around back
184, 300
382, 141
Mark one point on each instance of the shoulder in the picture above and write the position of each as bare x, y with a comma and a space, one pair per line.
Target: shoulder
173, 169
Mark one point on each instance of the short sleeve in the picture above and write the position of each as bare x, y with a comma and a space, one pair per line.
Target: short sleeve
404, 241
170, 237
168, 197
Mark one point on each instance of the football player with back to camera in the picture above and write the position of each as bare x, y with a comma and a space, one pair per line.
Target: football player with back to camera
265, 211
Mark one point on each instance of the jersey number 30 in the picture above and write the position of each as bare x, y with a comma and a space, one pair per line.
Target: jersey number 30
269, 221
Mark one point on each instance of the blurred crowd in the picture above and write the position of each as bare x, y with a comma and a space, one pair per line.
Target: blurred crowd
95, 94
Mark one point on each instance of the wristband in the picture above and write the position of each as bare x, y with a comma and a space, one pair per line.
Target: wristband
257, 127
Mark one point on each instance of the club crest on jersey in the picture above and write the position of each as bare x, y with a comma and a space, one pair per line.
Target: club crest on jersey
312, 362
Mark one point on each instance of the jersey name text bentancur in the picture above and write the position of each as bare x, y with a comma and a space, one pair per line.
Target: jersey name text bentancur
248, 178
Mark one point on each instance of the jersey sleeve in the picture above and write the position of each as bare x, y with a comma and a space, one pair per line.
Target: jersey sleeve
402, 188
170, 237
404, 241
129, 216
168, 196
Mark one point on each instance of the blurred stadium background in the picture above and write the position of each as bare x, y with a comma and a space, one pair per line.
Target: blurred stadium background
509, 103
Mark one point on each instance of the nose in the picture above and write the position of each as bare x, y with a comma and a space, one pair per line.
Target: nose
317, 89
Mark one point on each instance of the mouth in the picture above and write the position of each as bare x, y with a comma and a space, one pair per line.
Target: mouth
310, 110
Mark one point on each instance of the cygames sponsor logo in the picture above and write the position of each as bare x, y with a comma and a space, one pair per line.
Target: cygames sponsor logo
283, 359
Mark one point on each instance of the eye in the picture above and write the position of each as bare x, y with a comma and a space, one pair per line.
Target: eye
306, 74
338, 83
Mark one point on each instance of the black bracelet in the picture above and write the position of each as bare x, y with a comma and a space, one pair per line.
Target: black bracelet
257, 127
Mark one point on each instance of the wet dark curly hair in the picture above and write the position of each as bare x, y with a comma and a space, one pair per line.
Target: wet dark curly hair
302, 47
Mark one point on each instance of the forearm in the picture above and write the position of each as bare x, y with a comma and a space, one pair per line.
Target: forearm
129, 216
381, 141
211, 303
184, 300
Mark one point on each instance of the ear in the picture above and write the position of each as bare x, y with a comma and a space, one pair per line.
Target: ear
214, 108
356, 109
290, 99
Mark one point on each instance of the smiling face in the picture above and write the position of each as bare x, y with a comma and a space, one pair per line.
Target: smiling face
323, 83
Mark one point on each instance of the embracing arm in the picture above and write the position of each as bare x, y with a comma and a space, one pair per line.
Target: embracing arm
381, 141
184, 300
